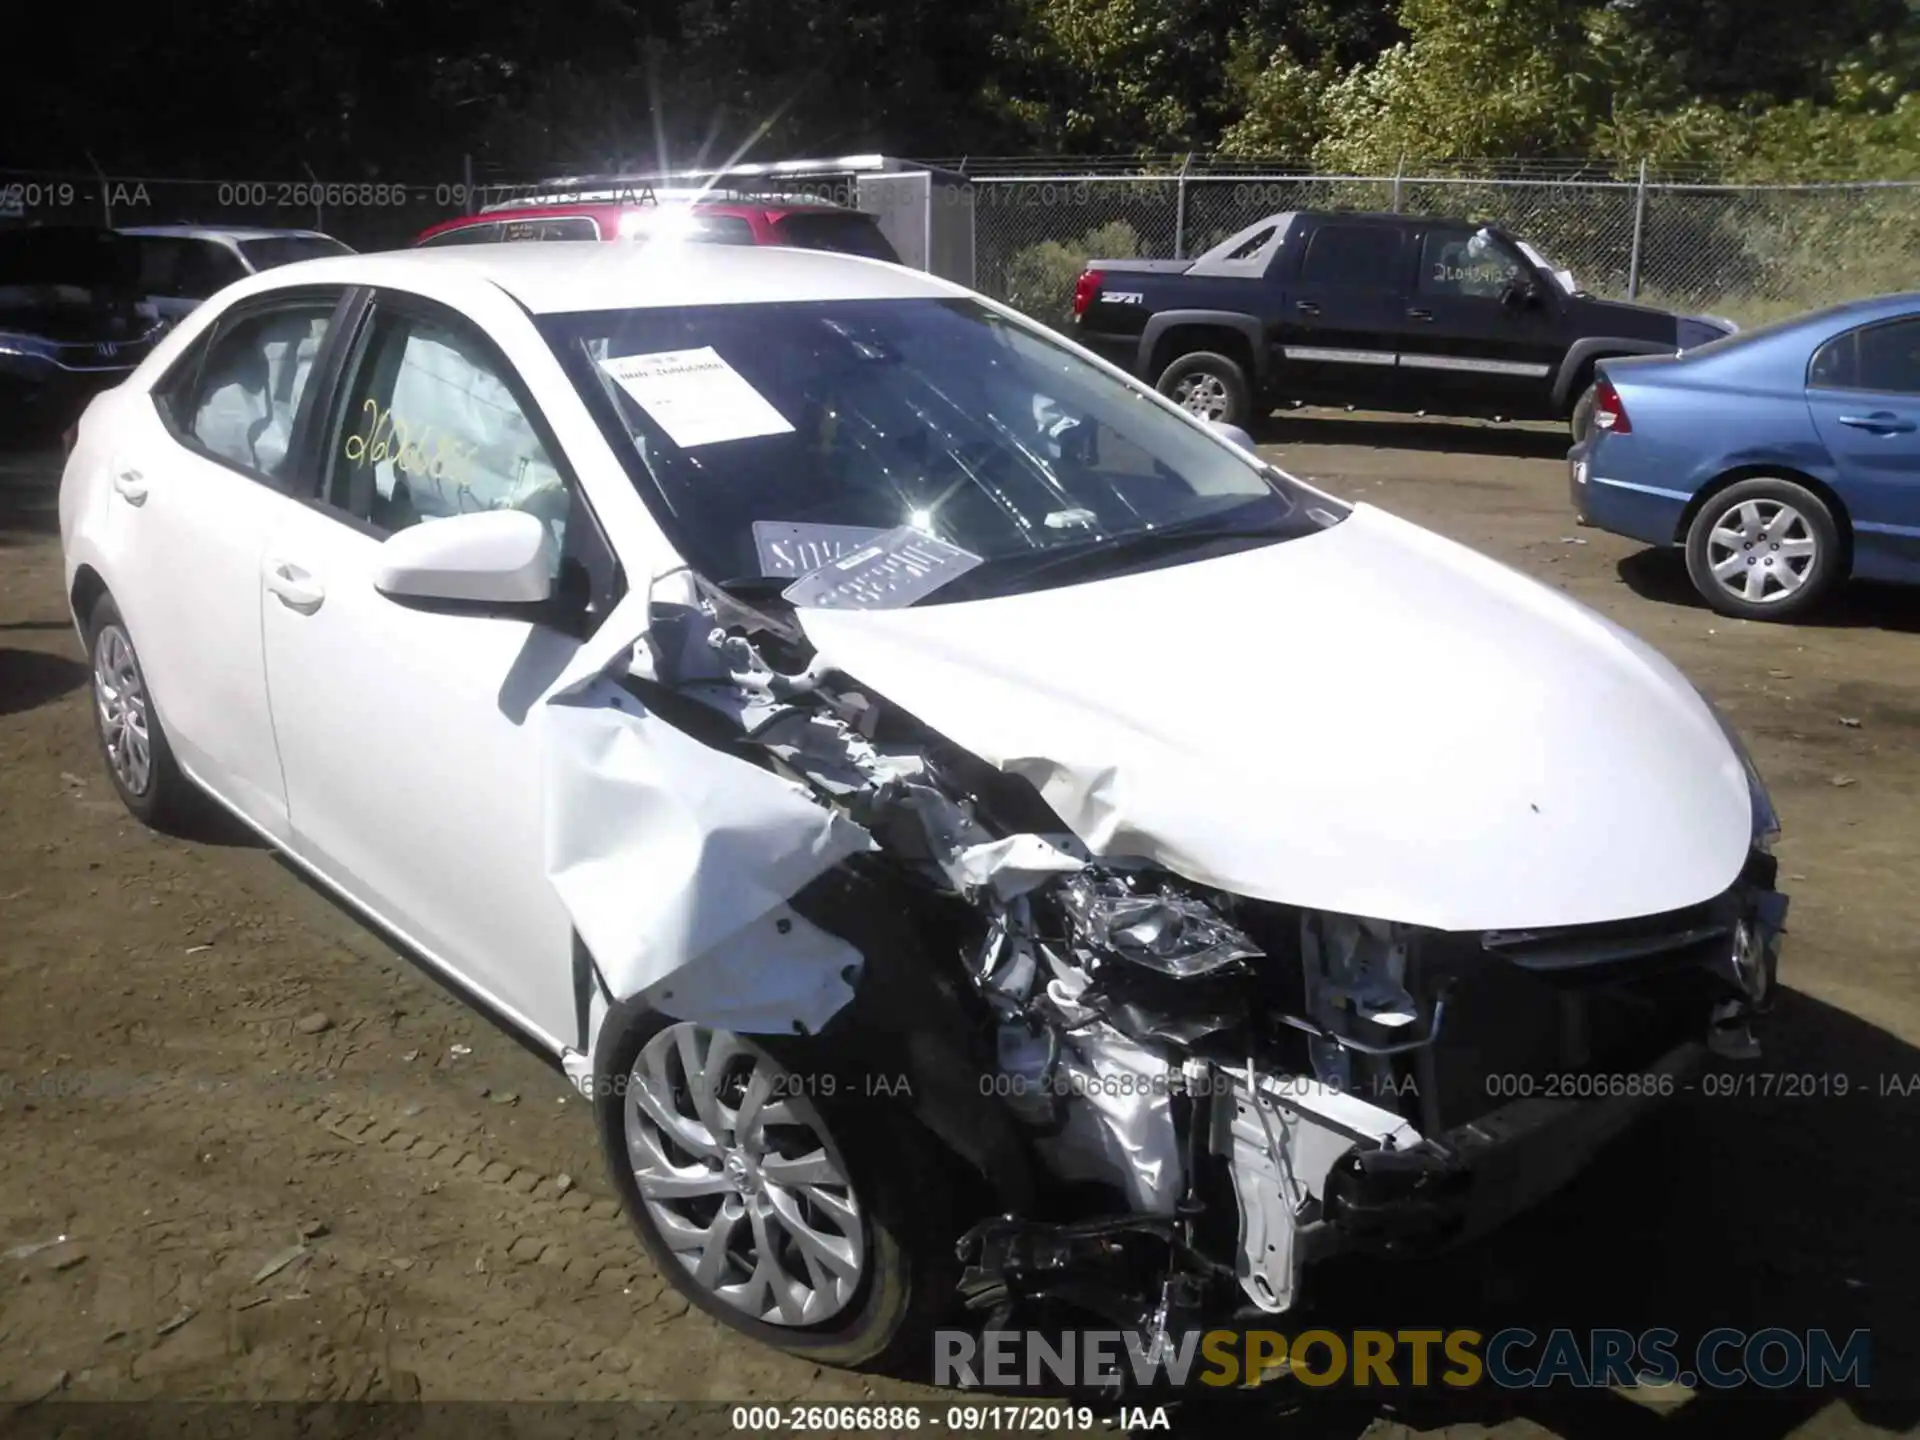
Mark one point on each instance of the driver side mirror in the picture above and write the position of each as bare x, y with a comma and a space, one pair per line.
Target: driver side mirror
488, 557
1524, 293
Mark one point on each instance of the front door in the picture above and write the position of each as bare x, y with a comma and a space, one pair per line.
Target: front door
1483, 332
410, 736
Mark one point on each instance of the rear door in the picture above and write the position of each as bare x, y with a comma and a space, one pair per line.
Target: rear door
1483, 330
1342, 310
1864, 391
201, 481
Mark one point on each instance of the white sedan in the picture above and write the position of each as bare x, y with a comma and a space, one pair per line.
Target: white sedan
925, 787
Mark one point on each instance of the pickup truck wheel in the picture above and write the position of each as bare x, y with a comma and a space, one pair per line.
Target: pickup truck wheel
1208, 385
1764, 549
1582, 420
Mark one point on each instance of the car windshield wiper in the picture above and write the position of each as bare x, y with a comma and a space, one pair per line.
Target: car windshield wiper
1120, 549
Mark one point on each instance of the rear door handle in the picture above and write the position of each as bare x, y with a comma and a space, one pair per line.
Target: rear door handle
1881, 422
296, 589
132, 486
1306, 307
1419, 315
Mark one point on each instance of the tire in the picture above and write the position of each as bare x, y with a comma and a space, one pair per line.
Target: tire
125, 722
1209, 385
1581, 421
877, 1320
1787, 539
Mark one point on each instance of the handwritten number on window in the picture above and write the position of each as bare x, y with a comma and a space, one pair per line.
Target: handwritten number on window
389, 437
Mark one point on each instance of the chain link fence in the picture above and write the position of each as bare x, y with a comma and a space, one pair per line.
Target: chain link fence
1752, 253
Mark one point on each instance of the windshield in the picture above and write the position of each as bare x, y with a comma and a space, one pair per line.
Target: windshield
851, 233
772, 439
285, 249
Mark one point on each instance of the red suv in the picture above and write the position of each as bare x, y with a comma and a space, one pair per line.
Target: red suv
803, 222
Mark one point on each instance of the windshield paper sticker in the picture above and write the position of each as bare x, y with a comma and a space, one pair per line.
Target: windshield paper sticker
794, 548
900, 567
697, 397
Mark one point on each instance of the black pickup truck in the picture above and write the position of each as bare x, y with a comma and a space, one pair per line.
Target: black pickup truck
1383, 312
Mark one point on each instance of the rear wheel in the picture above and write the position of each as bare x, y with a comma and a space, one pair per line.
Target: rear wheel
779, 1213
1765, 549
1210, 385
139, 760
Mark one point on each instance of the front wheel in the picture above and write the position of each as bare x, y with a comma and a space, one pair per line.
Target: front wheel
805, 1224
1764, 549
1209, 385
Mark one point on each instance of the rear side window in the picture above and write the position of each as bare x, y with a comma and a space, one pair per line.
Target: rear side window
238, 403
1882, 357
1358, 255
1889, 357
849, 232
464, 235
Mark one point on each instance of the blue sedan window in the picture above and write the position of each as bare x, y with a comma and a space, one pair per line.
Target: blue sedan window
1832, 367
1888, 357
1884, 357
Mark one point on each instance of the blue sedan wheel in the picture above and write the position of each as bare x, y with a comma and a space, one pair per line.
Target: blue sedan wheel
1764, 549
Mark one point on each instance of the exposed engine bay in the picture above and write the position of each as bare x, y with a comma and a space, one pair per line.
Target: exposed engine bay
1210, 1091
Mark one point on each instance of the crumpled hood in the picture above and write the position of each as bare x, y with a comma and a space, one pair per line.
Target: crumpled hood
1371, 719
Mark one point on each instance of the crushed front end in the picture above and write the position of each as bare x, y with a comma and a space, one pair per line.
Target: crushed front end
1177, 1098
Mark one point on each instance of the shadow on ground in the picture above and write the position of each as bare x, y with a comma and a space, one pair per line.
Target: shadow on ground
1660, 575
32, 678
1453, 436
29, 493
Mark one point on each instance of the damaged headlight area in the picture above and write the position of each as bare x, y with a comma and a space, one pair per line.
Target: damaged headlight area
1152, 924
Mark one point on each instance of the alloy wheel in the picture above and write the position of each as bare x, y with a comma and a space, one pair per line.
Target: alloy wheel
739, 1176
122, 703
1762, 551
1203, 394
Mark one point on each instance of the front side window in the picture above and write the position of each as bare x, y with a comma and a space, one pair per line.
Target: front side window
1365, 256
238, 404
751, 427
1475, 266
430, 427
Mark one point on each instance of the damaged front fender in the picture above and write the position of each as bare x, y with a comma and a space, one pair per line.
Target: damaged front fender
676, 861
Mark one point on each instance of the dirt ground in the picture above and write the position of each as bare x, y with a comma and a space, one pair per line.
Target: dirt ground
289, 1166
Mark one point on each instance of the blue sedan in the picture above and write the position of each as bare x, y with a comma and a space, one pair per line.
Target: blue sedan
1784, 459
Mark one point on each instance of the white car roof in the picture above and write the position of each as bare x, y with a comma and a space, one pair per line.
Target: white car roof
552, 277
220, 232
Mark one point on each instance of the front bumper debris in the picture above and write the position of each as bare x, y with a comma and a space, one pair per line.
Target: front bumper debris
1468, 1181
